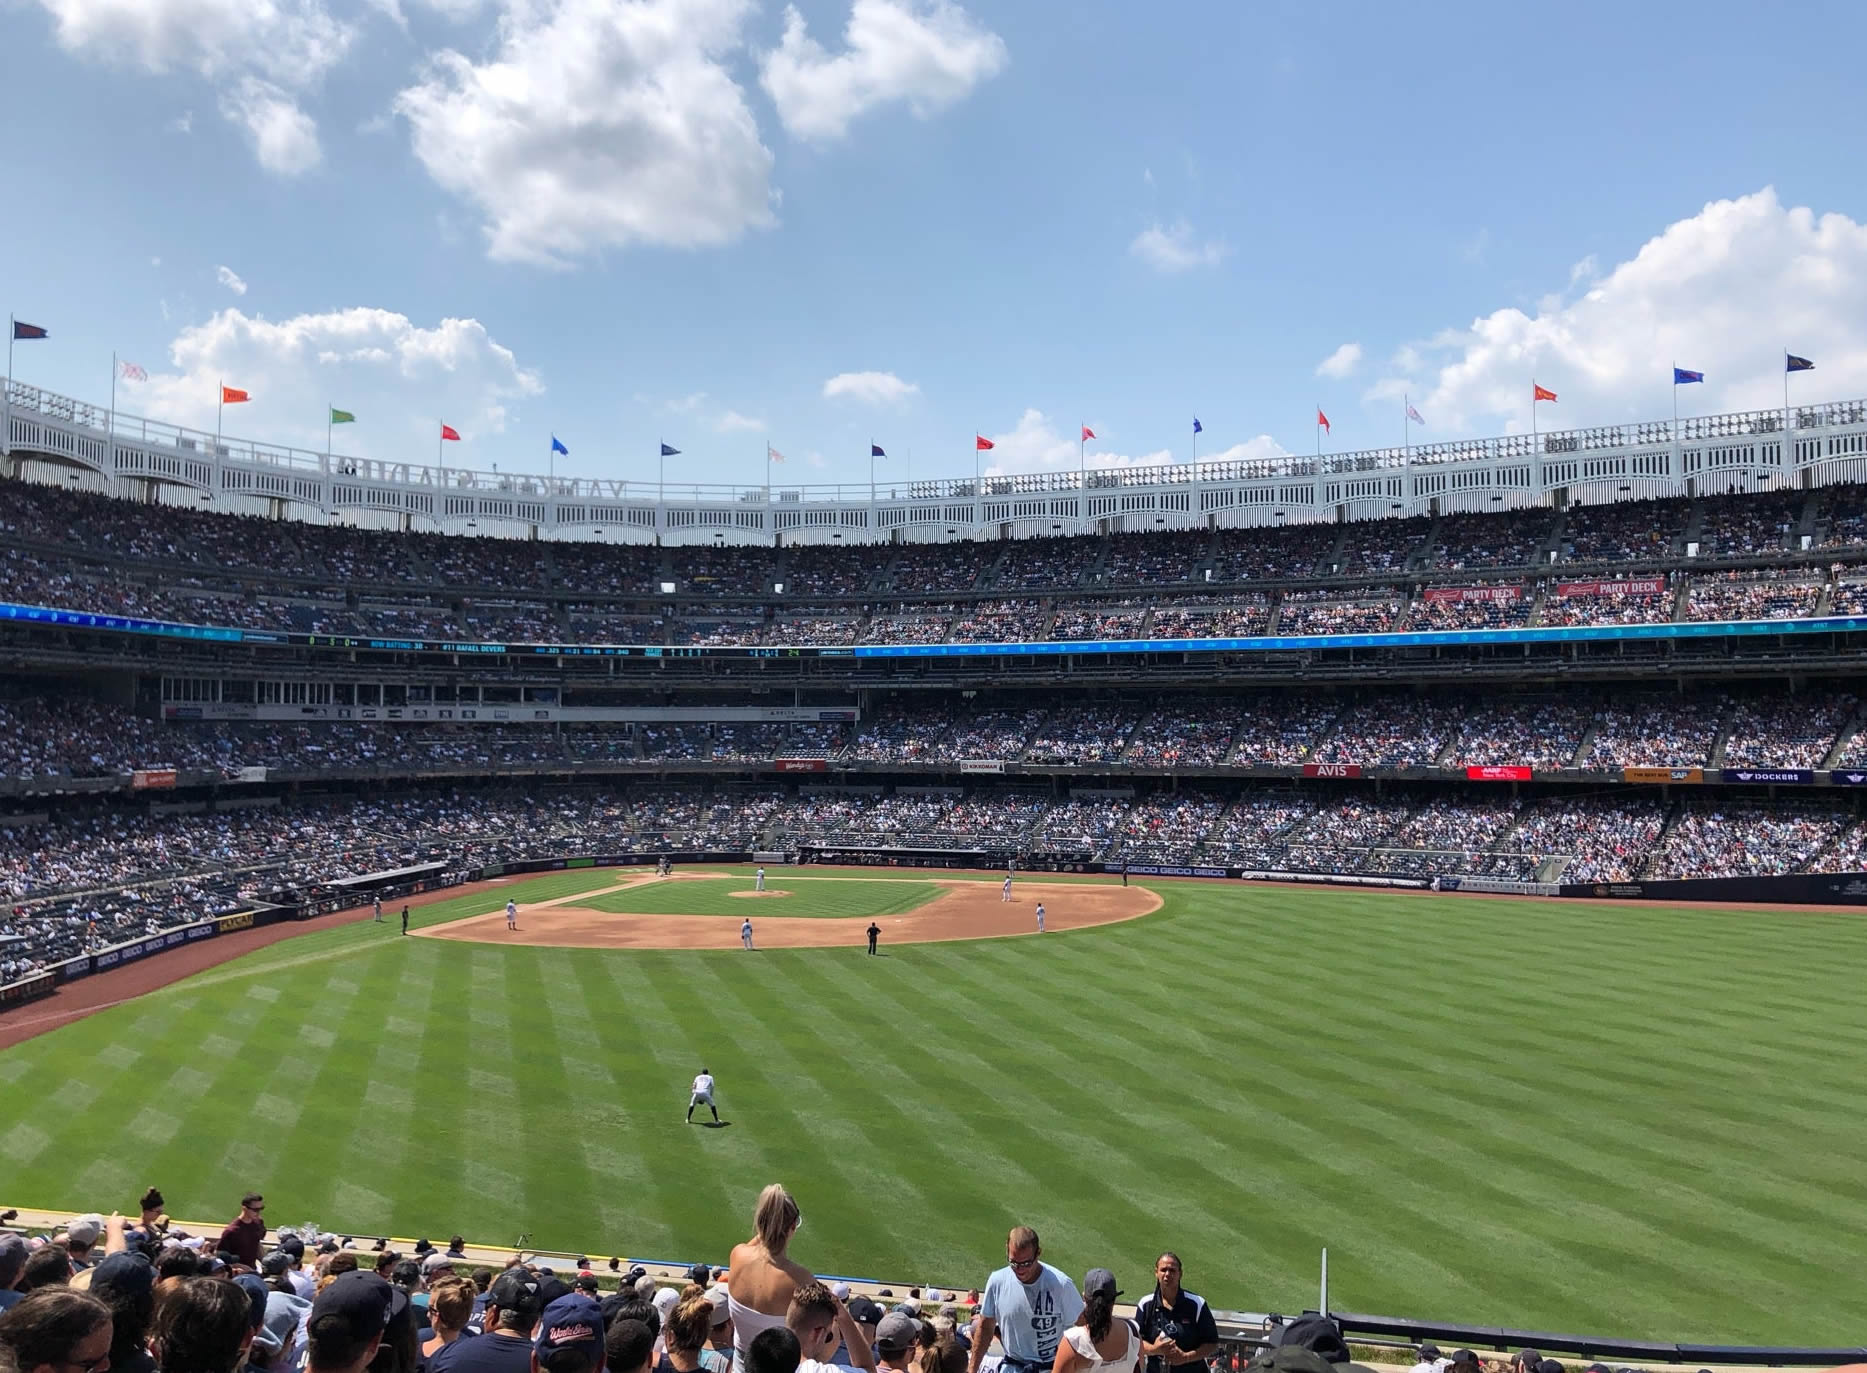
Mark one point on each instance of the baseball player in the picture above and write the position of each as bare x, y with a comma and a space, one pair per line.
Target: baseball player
745, 932
703, 1091
760, 884
1040, 917
1004, 892
405, 919
512, 914
379, 910
875, 933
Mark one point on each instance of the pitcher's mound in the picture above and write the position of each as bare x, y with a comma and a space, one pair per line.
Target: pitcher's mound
758, 893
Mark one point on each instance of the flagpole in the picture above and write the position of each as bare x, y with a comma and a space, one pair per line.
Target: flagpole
1675, 403
1319, 433
1533, 412
661, 473
329, 419
219, 409
1082, 457
1786, 454
111, 424
1406, 426
12, 323
871, 469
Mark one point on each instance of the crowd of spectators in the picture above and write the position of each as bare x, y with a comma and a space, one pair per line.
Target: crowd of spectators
1375, 546
1607, 608
1735, 526
1624, 531
1515, 538
1079, 735
1335, 612
1099, 619
1396, 731
1195, 734
1736, 597
1485, 613
1720, 838
1541, 734
1660, 731
1212, 617
1162, 559
1787, 731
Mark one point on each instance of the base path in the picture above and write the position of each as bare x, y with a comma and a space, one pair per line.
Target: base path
963, 910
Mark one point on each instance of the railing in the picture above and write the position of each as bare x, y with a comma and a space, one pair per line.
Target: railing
1824, 443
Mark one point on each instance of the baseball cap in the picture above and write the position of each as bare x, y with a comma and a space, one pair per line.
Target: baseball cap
840, 1290
275, 1263
1429, 1352
1529, 1358
586, 1282
573, 1322
716, 1294
1466, 1356
1549, 1366
12, 1252
256, 1293
86, 1229
897, 1332
283, 1311
356, 1302
129, 1274
435, 1262
863, 1311
1102, 1281
516, 1290
666, 1299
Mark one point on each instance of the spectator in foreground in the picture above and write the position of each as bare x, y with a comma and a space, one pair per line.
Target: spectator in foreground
347, 1323
774, 1351
47, 1266
1098, 1341
450, 1307
126, 1283
1177, 1329
684, 1337
1027, 1304
822, 1323
764, 1276
81, 1239
628, 1346
12, 1269
202, 1325
570, 1337
513, 1304
58, 1331
242, 1235
897, 1341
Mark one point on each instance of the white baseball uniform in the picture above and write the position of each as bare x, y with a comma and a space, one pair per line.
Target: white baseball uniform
512, 915
1040, 917
703, 1091
760, 885
1004, 893
745, 933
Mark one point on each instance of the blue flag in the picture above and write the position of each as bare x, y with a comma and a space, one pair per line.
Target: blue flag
1198, 428
24, 331
875, 451
1797, 364
557, 446
668, 452
1681, 377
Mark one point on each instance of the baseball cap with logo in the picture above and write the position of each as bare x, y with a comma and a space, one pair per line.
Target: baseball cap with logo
435, 1262
570, 1323
516, 1290
357, 1303
85, 1229
716, 1297
863, 1311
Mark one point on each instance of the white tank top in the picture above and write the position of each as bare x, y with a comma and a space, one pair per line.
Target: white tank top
1078, 1337
748, 1324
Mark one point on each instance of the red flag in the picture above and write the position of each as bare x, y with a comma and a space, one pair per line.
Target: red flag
229, 396
1542, 393
1323, 419
982, 441
449, 432
1088, 433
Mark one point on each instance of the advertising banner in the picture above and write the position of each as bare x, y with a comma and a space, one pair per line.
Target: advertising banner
981, 765
1473, 593
152, 779
1773, 776
1332, 769
252, 774
1630, 586
28, 988
240, 920
1662, 774
801, 764
1849, 777
1498, 773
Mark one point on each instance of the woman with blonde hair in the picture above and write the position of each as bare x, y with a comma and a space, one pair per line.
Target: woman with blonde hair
450, 1307
684, 1336
761, 1275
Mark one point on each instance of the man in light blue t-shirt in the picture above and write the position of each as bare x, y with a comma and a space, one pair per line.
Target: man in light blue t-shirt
1028, 1305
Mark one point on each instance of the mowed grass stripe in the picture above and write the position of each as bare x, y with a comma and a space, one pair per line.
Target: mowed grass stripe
804, 897
1634, 1120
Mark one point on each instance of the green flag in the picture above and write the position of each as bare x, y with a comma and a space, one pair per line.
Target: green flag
342, 416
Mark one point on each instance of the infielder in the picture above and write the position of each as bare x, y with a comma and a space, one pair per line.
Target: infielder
1004, 892
405, 920
760, 884
875, 933
379, 910
512, 914
745, 932
703, 1091
1040, 917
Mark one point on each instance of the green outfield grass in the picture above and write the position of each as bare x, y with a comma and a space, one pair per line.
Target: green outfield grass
817, 896
1628, 1120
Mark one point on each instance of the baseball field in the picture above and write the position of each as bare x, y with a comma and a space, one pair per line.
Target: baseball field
1627, 1120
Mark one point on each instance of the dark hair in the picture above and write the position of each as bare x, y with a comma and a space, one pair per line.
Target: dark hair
774, 1351
335, 1344
343, 1261
201, 1326
1098, 1313
130, 1314
45, 1326
482, 1278
152, 1200
406, 1273
252, 1199
946, 1355
457, 1243
627, 1343
400, 1351
177, 1261
635, 1309
47, 1266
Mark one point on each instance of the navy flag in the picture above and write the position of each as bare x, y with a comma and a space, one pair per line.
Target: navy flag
22, 330
669, 452
557, 446
875, 451
1797, 364
1197, 426
1681, 377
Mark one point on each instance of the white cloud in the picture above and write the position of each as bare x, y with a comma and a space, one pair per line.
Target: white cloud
872, 388
262, 54
1341, 362
284, 137
597, 124
686, 405
397, 377
926, 54
1175, 248
1036, 445
732, 422
183, 123
1719, 292
229, 278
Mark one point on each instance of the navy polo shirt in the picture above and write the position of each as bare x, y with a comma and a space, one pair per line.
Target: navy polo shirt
1188, 1322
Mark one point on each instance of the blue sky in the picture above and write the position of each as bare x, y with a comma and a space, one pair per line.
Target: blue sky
633, 220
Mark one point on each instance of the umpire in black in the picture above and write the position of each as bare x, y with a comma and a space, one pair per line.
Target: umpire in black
1177, 1329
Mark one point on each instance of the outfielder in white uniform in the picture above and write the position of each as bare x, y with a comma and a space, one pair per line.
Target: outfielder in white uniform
703, 1092
745, 933
1040, 917
1004, 892
760, 884
512, 914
